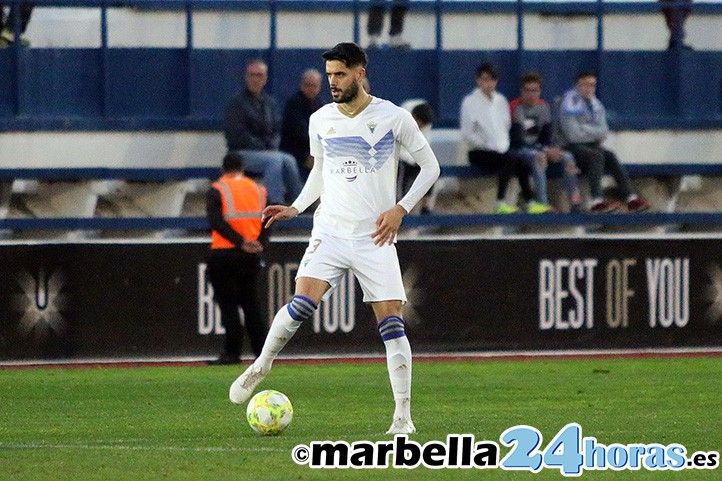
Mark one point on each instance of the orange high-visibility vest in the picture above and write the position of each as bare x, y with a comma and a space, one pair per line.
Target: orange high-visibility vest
243, 201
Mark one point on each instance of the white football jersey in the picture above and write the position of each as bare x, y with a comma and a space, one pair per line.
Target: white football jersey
360, 160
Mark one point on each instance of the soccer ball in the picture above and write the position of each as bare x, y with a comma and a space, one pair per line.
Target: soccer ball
269, 412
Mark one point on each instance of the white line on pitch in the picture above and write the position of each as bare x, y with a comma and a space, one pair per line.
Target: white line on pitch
139, 448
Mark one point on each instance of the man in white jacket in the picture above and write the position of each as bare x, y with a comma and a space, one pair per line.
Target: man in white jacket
485, 123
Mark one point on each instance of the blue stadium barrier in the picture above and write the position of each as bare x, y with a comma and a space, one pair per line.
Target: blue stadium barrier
634, 170
128, 223
103, 173
181, 89
182, 173
637, 219
437, 220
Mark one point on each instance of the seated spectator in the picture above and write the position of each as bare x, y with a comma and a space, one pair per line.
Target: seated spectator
299, 107
7, 23
583, 128
251, 129
531, 139
423, 114
485, 123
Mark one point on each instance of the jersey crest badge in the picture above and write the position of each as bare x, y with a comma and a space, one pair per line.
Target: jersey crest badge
372, 126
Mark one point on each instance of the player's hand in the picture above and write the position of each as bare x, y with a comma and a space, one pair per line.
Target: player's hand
272, 213
387, 225
252, 247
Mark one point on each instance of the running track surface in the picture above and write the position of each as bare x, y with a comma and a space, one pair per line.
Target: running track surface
376, 358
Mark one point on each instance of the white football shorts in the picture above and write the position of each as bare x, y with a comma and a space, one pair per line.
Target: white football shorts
376, 267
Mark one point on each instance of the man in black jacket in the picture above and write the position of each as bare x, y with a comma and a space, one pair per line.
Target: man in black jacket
299, 107
252, 130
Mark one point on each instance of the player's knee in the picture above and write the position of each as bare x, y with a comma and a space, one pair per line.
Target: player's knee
301, 308
391, 327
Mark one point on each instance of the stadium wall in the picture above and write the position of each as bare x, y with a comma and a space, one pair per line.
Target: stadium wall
162, 70
179, 89
151, 299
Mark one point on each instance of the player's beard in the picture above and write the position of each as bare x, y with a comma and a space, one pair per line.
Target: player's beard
347, 95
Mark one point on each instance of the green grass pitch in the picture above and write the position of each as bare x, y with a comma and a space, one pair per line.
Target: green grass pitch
176, 423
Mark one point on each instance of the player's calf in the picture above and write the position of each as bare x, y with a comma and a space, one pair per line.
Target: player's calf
284, 326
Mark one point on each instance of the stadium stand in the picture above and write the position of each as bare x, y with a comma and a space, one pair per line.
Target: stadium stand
110, 121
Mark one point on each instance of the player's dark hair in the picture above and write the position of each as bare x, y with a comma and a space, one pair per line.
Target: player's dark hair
423, 113
347, 52
531, 77
487, 68
233, 162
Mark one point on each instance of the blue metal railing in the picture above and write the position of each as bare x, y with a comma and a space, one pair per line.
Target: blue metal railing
149, 174
598, 8
410, 221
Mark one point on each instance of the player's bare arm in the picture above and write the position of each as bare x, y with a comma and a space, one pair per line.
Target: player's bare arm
272, 213
387, 225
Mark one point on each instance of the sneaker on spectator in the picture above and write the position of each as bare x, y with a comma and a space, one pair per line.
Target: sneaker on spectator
534, 207
637, 205
604, 207
7, 37
504, 208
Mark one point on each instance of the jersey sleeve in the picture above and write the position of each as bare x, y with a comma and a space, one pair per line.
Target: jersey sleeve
409, 134
425, 159
316, 148
313, 187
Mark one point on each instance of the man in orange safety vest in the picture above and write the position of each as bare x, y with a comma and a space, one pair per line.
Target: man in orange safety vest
233, 206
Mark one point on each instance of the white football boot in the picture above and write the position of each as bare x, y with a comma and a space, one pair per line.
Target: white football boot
402, 426
243, 387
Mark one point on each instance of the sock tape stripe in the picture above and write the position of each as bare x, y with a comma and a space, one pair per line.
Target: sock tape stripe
390, 319
391, 327
393, 335
305, 300
301, 308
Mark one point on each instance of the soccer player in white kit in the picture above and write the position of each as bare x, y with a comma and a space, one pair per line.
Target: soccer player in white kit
355, 144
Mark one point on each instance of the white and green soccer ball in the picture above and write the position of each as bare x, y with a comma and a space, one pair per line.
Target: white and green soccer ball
269, 412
